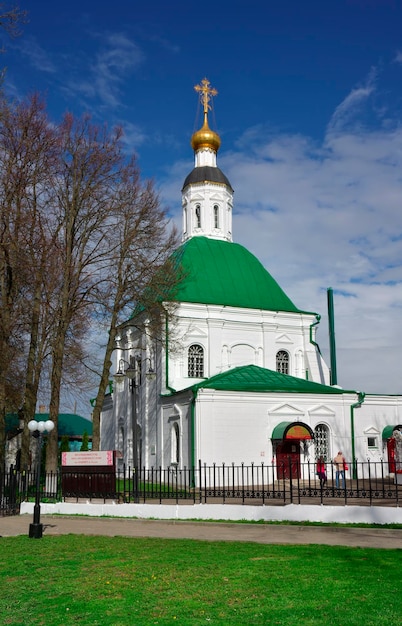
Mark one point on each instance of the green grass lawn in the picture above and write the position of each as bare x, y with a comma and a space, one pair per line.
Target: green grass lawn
76, 579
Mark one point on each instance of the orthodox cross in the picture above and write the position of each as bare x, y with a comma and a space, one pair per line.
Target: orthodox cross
206, 93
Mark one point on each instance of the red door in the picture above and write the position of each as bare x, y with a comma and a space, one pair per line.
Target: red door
391, 455
288, 459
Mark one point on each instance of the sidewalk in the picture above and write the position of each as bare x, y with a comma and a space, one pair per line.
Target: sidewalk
205, 531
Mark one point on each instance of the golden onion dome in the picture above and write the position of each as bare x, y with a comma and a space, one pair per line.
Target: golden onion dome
205, 137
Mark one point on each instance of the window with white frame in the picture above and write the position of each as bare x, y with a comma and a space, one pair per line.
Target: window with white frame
282, 362
372, 443
195, 361
321, 440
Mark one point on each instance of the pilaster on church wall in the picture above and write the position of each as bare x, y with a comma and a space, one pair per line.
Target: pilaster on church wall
108, 424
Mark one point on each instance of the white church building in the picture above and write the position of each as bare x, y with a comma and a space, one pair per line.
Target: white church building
237, 376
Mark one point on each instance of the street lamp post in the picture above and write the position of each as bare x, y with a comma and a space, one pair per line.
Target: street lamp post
131, 373
37, 429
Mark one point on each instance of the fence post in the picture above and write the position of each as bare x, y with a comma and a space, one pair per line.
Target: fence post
291, 481
223, 482
262, 482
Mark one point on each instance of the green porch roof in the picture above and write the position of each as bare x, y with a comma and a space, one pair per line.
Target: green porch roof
254, 378
294, 430
388, 430
227, 274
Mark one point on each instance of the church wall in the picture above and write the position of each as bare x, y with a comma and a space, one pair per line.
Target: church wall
376, 412
233, 336
235, 427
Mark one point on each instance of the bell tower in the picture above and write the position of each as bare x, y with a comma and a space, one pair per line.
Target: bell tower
207, 195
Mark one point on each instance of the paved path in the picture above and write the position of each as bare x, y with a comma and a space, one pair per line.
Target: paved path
206, 531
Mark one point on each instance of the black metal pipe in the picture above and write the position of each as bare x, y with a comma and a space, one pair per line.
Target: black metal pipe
36, 528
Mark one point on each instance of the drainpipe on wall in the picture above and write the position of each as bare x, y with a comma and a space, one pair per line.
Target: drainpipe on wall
318, 318
314, 343
331, 328
361, 395
193, 431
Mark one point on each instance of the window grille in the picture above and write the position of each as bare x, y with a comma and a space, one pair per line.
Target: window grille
198, 216
216, 216
196, 361
321, 439
282, 362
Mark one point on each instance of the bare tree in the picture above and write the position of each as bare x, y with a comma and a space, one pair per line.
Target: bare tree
24, 154
89, 166
140, 243
11, 17
80, 236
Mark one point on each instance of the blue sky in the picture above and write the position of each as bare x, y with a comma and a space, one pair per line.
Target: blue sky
309, 112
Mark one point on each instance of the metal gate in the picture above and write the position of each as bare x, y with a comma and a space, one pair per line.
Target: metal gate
10, 492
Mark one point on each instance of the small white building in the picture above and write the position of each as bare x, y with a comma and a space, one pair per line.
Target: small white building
237, 376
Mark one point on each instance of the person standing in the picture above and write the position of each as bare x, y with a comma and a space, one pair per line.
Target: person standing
321, 471
340, 465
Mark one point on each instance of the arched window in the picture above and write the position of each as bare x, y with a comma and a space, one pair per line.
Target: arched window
196, 361
198, 216
282, 362
216, 216
175, 444
321, 440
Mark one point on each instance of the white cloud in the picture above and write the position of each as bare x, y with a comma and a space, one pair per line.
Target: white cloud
118, 58
350, 106
398, 57
102, 77
93, 78
133, 137
38, 57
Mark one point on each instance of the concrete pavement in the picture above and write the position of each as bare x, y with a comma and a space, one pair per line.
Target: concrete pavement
12, 526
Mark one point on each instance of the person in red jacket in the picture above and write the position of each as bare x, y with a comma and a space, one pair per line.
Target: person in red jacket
321, 471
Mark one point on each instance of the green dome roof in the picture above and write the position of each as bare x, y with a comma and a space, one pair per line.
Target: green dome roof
225, 273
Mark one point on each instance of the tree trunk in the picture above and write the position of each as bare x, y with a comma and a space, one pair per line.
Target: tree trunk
100, 396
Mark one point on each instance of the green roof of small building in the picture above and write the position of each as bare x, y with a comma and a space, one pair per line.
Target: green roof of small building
225, 273
71, 424
252, 378
68, 423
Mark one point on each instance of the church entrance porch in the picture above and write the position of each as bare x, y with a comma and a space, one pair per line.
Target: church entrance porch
287, 440
392, 436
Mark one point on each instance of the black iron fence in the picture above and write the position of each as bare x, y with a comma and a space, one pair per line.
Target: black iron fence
12, 492
366, 483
